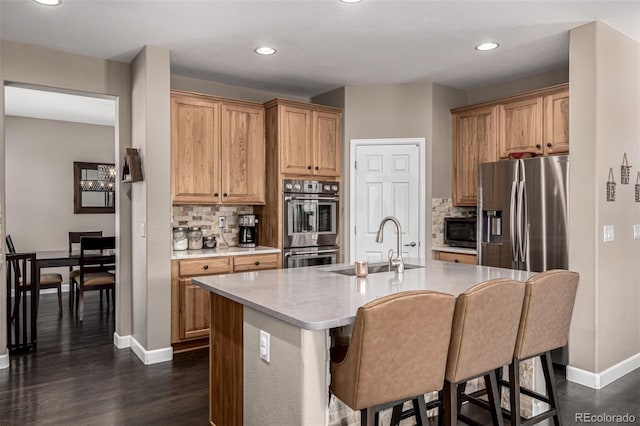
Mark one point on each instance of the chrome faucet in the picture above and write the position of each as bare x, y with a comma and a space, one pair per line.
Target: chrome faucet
394, 262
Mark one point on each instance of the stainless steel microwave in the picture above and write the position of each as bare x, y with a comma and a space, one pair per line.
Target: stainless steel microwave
460, 231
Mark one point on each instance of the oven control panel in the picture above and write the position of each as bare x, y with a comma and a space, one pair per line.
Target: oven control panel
311, 187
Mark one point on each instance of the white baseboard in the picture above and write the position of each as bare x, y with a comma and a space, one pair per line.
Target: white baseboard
121, 342
151, 357
602, 379
4, 361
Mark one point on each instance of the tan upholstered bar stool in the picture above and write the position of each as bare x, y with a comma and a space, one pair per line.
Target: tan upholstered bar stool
398, 352
483, 336
544, 326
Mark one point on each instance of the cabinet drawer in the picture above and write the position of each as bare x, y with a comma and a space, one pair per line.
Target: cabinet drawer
208, 266
471, 259
255, 262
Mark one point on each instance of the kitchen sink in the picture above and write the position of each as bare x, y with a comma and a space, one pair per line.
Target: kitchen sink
373, 268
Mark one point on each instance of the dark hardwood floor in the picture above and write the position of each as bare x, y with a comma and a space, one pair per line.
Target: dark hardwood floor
77, 377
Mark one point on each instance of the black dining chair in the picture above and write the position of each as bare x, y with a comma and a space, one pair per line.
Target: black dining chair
96, 261
49, 280
74, 242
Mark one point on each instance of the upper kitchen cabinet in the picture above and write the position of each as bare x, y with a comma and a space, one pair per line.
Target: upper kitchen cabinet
307, 138
474, 141
217, 150
535, 122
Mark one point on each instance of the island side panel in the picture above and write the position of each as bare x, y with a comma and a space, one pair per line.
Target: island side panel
293, 388
225, 362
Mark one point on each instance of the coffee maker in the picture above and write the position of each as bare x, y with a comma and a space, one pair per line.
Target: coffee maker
248, 232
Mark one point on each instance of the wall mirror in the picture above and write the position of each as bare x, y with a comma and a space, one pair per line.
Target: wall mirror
93, 187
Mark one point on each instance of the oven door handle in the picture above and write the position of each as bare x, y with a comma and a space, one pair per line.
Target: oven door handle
309, 198
296, 253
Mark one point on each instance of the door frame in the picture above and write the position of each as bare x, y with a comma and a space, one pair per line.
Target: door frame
422, 186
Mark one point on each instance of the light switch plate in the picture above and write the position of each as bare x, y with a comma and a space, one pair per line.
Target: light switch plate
608, 233
265, 346
636, 232
142, 230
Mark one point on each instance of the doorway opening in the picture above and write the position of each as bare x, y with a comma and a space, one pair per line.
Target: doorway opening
46, 131
387, 178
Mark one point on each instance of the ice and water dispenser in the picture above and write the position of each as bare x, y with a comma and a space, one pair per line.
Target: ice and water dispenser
492, 226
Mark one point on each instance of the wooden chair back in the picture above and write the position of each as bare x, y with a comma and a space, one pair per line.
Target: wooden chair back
96, 254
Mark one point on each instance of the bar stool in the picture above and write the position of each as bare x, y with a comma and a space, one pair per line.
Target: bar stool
398, 352
544, 325
483, 337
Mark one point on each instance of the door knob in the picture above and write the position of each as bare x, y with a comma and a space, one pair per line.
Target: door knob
411, 244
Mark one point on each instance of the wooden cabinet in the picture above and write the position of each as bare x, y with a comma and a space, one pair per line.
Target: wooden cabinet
190, 314
446, 256
536, 123
307, 137
474, 141
217, 150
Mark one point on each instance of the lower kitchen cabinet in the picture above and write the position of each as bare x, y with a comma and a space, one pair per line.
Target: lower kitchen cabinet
190, 303
446, 256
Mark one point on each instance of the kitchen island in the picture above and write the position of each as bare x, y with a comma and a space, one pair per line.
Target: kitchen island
297, 308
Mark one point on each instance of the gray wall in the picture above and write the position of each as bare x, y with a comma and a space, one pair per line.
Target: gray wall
225, 90
509, 88
604, 111
37, 66
39, 180
151, 200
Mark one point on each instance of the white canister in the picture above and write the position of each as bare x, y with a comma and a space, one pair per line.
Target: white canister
195, 238
180, 241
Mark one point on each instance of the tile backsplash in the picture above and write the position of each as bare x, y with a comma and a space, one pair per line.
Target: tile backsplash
206, 217
441, 208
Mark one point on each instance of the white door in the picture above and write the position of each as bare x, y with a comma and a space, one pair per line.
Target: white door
387, 183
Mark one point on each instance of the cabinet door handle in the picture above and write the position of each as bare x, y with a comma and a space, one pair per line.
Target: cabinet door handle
456, 261
257, 262
549, 145
317, 168
224, 194
538, 146
215, 194
308, 167
205, 267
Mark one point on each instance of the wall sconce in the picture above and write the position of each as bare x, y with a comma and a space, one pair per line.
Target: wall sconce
625, 170
611, 186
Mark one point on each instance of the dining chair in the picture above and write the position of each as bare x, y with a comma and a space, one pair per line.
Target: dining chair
483, 337
21, 311
398, 352
95, 265
49, 280
74, 242
544, 326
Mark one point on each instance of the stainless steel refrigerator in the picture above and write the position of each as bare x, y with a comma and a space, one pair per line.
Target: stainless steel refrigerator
523, 216
523, 213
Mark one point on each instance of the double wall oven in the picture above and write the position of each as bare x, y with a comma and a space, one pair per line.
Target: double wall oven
311, 211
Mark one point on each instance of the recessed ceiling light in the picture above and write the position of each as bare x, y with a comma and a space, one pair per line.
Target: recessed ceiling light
49, 2
487, 46
265, 50
350, 1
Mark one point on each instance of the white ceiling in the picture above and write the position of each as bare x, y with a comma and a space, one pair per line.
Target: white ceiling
23, 102
323, 44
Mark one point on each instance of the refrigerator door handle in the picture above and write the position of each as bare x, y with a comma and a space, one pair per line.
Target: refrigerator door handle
512, 221
522, 221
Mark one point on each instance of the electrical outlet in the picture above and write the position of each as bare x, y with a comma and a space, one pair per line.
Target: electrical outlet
222, 222
265, 346
609, 234
636, 232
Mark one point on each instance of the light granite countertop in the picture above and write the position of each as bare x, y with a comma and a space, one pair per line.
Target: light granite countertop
221, 251
449, 249
315, 298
